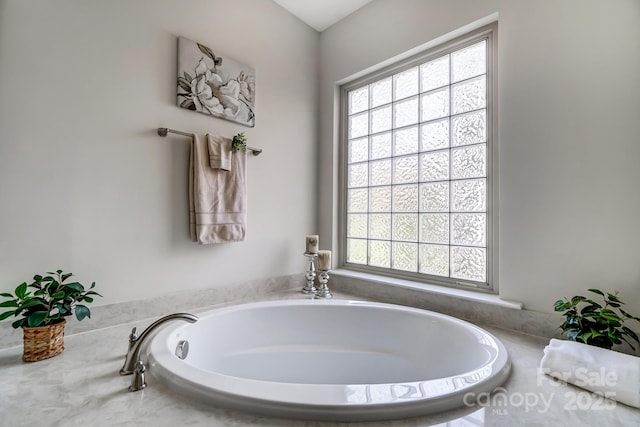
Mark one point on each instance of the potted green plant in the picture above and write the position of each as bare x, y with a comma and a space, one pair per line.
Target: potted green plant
42, 306
597, 324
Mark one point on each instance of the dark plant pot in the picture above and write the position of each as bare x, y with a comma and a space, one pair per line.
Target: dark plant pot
43, 342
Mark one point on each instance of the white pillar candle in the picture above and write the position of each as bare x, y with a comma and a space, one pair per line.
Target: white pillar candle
324, 260
312, 244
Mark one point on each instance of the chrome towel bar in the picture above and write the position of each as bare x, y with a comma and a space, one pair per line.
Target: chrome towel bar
165, 131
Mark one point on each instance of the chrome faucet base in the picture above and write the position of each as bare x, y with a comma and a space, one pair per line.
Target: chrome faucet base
138, 382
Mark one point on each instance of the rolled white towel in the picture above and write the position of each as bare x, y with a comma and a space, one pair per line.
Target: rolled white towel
606, 372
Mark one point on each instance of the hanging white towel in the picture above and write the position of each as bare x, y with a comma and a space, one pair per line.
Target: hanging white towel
217, 197
606, 372
219, 152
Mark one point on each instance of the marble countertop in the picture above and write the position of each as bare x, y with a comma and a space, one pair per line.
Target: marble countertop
82, 387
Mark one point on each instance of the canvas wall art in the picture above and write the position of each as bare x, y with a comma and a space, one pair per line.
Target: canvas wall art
215, 85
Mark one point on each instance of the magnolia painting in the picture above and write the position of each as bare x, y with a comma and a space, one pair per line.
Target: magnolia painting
213, 85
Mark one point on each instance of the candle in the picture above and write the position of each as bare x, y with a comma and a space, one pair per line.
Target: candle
324, 260
312, 244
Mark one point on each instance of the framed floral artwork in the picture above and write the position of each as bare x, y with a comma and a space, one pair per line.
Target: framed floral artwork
211, 84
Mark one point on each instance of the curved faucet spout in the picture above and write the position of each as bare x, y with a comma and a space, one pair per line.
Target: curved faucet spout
135, 343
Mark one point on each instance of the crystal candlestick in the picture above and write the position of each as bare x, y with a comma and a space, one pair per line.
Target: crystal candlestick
310, 288
323, 290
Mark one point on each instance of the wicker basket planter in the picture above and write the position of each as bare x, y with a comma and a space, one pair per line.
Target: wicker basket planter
41, 307
43, 342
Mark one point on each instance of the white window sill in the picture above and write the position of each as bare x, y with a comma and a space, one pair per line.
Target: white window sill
432, 289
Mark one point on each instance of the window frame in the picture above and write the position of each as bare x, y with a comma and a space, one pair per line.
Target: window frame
490, 34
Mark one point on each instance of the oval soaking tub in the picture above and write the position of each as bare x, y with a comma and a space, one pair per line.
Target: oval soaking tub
330, 360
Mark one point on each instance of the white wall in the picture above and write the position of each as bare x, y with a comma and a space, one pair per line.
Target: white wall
87, 185
569, 132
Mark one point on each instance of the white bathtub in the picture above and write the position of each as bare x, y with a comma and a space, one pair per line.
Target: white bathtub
330, 360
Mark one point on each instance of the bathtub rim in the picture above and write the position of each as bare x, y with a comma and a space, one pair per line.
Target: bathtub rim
301, 401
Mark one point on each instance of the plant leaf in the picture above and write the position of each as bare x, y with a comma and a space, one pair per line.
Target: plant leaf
613, 297
58, 295
561, 305
628, 316
578, 298
34, 302
592, 314
62, 310
6, 314
609, 314
572, 335
596, 291
6, 295
82, 312
18, 323
572, 320
614, 333
76, 286
11, 303
21, 290
36, 318
584, 336
566, 326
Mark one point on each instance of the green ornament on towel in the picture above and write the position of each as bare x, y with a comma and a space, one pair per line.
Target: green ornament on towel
239, 142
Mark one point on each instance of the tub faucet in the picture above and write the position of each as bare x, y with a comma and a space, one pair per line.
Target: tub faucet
135, 342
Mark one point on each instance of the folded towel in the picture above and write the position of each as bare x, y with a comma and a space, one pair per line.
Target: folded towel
217, 198
606, 372
219, 152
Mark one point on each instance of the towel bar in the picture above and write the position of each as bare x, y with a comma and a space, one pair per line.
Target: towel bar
164, 131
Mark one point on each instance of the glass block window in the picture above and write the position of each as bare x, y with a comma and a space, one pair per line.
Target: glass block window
417, 152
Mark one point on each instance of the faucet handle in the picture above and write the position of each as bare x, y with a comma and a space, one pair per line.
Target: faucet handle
133, 336
132, 340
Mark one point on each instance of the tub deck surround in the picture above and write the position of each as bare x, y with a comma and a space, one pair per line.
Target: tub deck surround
82, 387
116, 314
491, 312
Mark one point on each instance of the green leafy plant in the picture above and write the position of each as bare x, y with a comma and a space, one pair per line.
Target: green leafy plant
600, 325
239, 142
47, 300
